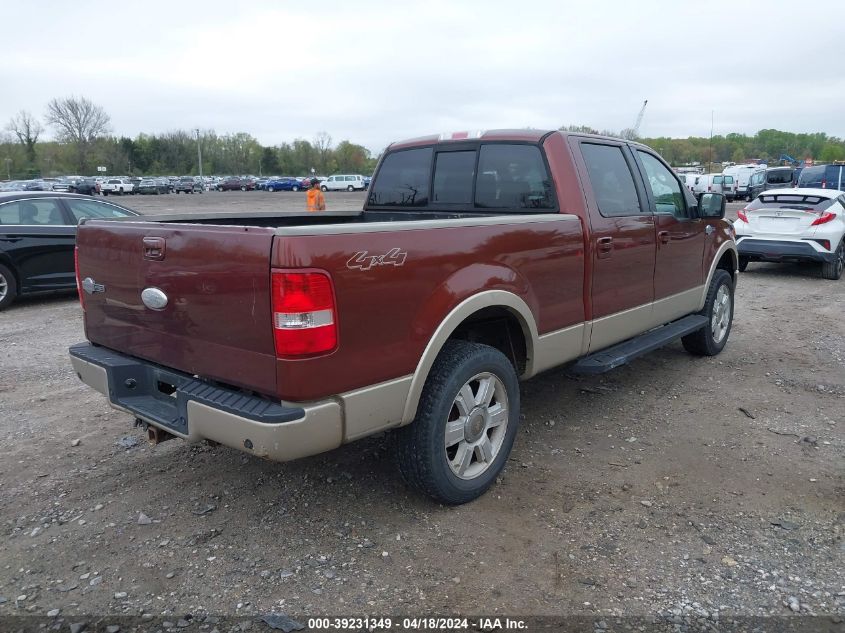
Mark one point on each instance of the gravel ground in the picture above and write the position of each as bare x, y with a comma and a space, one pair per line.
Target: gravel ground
694, 491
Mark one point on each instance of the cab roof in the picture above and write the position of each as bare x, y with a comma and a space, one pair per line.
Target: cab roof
528, 135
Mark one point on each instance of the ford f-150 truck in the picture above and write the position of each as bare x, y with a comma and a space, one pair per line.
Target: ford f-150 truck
477, 261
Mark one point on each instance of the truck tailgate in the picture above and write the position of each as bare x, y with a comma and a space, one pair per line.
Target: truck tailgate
217, 320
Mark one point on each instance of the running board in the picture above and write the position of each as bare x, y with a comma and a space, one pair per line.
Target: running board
626, 351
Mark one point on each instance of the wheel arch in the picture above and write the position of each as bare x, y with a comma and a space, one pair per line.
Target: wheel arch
726, 258
475, 319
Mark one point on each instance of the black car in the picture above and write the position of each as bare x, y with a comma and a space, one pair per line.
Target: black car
85, 186
38, 236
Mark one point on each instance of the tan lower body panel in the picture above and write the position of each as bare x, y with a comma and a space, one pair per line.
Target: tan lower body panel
320, 430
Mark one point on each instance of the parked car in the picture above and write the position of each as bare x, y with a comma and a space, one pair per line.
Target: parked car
154, 186
37, 239
471, 265
135, 182
189, 184
688, 180
285, 184
38, 185
742, 174
344, 182
85, 186
62, 185
769, 178
232, 184
117, 186
725, 185
823, 177
12, 185
794, 225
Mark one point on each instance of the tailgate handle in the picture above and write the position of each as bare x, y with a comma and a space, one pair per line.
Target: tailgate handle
153, 248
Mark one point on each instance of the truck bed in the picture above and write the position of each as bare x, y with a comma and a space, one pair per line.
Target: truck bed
216, 271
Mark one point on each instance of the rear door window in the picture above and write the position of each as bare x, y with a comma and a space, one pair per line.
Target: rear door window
513, 177
610, 176
403, 179
454, 173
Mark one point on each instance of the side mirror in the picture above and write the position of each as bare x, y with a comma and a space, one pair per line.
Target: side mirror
711, 205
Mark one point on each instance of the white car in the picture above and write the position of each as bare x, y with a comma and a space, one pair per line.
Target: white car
794, 225
344, 182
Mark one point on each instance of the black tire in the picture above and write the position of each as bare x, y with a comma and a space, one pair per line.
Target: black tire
7, 281
324, 188
350, 188
833, 270
243, 188
421, 453
270, 189
743, 264
702, 342
294, 188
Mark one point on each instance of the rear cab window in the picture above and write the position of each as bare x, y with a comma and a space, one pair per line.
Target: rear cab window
471, 177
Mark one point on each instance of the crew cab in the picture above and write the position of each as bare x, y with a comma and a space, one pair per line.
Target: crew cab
189, 184
118, 186
477, 261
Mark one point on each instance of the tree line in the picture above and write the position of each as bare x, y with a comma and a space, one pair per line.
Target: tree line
768, 145
83, 142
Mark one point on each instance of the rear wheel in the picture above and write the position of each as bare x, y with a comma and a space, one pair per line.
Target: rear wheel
243, 188
743, 264
465, 425
718, 308
8, 287
350, 188
294, 188
833, 270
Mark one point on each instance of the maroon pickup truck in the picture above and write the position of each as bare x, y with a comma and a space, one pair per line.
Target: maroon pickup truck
476, 262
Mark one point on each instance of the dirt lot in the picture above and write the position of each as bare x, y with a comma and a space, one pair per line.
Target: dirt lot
694, 490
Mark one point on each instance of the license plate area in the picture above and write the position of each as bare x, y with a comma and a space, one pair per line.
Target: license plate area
152, 393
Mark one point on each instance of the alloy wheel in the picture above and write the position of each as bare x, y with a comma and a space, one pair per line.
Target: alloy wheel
476, 426
721, 315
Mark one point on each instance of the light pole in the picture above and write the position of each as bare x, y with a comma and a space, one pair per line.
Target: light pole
8, 168
199, 152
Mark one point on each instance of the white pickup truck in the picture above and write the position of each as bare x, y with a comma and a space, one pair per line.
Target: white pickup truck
118, 186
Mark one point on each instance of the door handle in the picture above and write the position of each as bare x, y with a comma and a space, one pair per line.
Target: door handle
664, 237
604, 246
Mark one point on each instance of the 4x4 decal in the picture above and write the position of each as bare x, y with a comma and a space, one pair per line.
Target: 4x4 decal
362, 260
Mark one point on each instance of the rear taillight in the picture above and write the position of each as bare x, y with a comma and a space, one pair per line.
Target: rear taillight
304, 314
824, 218
78, 278
741, 215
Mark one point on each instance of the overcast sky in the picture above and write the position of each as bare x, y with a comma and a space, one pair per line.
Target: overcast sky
373, 72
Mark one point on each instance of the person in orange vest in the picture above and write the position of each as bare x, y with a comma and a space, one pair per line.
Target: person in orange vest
316, 201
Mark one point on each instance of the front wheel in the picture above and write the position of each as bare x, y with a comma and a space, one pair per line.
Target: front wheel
465, 426
294, 188
324, 188
718, 308
8, 287
833, 270
243, 188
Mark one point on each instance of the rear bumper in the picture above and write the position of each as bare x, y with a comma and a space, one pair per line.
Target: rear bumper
196, 410
781, 250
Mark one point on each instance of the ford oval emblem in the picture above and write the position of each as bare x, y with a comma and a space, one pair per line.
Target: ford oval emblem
154, 298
